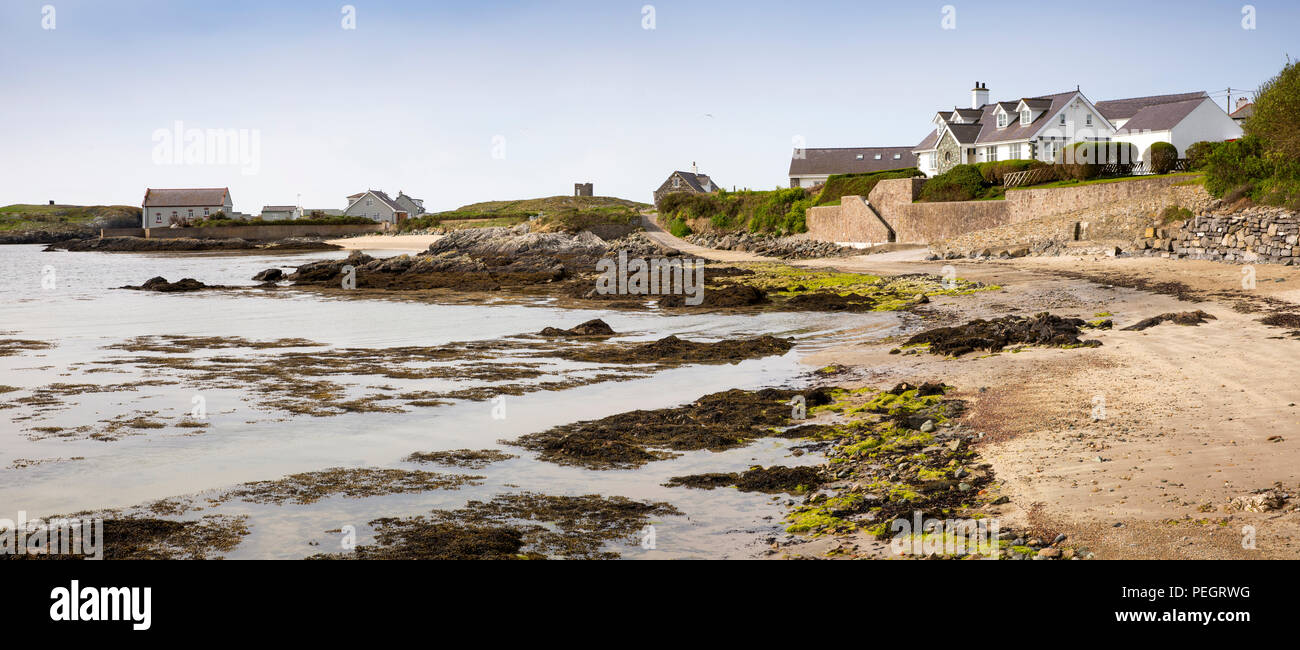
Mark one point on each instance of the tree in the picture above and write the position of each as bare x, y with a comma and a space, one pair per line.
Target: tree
1277, 109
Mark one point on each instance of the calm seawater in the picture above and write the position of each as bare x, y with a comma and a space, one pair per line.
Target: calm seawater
82, 311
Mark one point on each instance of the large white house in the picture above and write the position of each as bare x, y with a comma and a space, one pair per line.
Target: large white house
1039, 127
164, 207
377, 205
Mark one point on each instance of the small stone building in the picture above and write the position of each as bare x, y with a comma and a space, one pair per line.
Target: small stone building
583, 189
691, 182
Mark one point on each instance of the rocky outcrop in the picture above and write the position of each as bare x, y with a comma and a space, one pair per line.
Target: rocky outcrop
771, 246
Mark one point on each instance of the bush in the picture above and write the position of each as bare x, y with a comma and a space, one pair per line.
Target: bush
1234, 164
961, 183
677, 226
995, 172
1174, 213
841, 185
779, 211
1163, 157
1277, 109
1198, 154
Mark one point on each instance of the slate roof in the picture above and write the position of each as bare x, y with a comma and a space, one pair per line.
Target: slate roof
1118, 109
173, 198
1243, 112
1161, 117
844, 160
986, 130
384, 198
279, 208
697, 181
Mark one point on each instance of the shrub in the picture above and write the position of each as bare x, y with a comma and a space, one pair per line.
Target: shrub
677, 226
961, 183
779, 211
840, 185
1174, 213
995, 172
1198, 154
1277, 108
1231, 165
1163, 157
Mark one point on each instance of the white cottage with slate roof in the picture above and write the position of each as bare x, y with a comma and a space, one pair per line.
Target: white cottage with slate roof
1039, 127
162, 208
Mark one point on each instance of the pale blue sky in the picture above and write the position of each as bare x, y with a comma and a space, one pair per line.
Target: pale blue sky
413, 97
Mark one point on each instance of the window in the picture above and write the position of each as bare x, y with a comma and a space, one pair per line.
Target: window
1002, 120
992, 154
1025, 116
860, 157
898, 156
677, 182
372, 201
205, 212
877, 156
1015, 151
1062, 119
191, 214
1088, 120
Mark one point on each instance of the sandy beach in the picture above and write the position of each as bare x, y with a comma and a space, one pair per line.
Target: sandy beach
1190, 417
386, 242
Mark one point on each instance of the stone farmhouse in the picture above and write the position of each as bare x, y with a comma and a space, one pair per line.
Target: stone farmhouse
692, 182
163, 208
1039, 127
810, 167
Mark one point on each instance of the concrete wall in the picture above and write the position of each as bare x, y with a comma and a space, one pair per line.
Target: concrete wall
267, 232
925, 223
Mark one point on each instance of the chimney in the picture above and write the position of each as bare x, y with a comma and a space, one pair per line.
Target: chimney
1242, 101
694, 169
979, 95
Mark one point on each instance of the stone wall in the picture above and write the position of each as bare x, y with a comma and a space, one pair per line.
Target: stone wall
1255, 235
929, 223
850, 221
267, 232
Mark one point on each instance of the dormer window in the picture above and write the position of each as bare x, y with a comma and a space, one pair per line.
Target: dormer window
860, 157
1025, 117
898, 156
1002, 120
877, 156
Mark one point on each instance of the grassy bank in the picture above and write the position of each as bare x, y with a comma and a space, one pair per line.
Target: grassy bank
61, 218
555, 213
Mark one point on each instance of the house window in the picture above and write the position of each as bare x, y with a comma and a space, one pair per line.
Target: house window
190, 215
370, 201
877, 156
898, 156
1062, 119
992, 154
1015, 151
1024, 116
1002, 120
1088, 120
677, 182
205, 212
860, 157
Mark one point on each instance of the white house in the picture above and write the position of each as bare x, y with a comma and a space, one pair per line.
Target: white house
809, 167
374, 204
1180, 123
163, 207
281, 212
1039, 127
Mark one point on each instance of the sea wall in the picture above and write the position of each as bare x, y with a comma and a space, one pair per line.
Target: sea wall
267, 232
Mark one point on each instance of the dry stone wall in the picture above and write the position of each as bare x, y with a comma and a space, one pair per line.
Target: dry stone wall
1257, 234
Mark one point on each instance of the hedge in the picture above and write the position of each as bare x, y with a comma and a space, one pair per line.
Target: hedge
1163, 157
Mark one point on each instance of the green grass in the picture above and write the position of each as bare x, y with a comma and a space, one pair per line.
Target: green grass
567, 213
53, 218
1099, 181
841, 185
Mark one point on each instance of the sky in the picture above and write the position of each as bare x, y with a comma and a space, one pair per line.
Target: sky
459, 102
